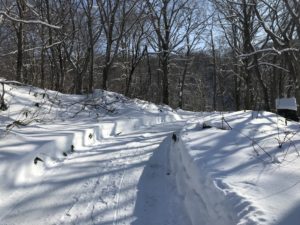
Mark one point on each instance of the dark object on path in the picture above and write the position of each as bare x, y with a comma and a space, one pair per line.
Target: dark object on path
288, 114
3, 106
287, 108
206, 126
72, 148
65, 154
174, 137
36, 159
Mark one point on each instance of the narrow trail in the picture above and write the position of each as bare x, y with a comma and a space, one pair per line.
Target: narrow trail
120, 180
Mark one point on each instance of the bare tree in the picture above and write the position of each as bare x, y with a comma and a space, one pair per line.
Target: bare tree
167, 21
241, 17
133, 45
282, 26
21, 10
113, 16
194, 25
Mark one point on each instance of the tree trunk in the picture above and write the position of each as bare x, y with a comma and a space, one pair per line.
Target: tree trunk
107, 65
105, 72
78, 83
180, 104
214, 73
19, 75
91, 43
61, 79
54, 66
130, 75
43, 68
165, 81
20, 41
261, 82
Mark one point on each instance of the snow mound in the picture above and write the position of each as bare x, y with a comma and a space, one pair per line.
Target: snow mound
204, 203
248, 174
27, 104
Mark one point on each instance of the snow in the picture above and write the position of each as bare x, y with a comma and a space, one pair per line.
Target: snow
286, 103
138, 163
116, 175
224, 181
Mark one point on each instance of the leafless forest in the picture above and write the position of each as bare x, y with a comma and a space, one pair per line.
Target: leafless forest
192, 54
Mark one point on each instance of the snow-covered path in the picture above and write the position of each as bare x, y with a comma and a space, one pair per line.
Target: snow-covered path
123, 179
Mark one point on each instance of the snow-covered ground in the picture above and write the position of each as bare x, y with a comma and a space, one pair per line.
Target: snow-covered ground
106, 159
236, 173
117, 173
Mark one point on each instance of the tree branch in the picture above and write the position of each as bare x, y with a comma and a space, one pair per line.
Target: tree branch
28, 21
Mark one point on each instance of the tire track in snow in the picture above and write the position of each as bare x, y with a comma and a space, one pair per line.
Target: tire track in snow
77, 209
85, 201
89, 202
118, 198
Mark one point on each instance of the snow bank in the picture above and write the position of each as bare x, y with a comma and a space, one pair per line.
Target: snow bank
204, 203
225, 177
